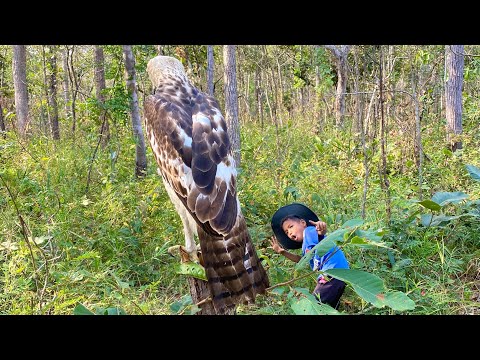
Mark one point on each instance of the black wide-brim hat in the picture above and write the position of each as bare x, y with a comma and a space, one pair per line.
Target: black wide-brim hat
297, 209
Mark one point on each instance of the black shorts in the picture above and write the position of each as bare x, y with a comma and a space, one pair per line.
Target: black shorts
329, 292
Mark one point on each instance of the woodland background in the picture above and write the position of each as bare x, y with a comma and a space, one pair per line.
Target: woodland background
384, 137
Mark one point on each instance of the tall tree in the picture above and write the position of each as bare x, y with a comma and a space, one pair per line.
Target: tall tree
66, 82
2, 122
340, 52
99, 89
231, 100
140, 152
454, 62
210, 68
52, 92
19, 66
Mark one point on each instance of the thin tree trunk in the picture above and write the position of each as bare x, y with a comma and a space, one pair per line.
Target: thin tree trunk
418, 137
45, 120
365, 153
73, 82
248, 97
383, 141
99, 89
2, 122
358, 127
66, 81
453, 94
52, 93
340, 52
210, 70
19, 65
140, 152
231, 101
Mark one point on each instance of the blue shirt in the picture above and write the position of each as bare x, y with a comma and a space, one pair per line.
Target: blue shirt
337, 260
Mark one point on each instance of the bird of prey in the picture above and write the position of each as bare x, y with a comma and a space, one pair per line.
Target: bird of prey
188, 136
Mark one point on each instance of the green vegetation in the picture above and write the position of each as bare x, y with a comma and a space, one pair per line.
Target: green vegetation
80, 234
106, 249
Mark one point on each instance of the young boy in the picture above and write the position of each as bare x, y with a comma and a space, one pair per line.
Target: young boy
295, 226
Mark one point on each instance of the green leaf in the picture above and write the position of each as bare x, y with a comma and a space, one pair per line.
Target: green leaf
178, 306
429, 204
306, 306
114, 311
474, 172
80, 309
192, 269
321, 248
447, 152
428, 220
399, 301
368, 286
358, 241
279, 291
372, 235
443, 198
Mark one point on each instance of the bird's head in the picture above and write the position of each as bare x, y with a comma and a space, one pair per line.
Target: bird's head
162, 67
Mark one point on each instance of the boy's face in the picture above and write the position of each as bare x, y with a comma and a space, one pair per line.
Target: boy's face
294, 229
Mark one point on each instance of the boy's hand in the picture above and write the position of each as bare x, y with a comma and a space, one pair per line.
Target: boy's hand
320, 226
275, 245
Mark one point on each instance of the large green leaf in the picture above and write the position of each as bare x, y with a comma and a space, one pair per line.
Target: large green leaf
474, 172
111, 311
429, 204
352, 223
399, 301
305, 306
372, 289
443, 198
368, 286
80, 309
435, 220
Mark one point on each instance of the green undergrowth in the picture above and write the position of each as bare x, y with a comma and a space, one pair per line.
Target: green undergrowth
106, 247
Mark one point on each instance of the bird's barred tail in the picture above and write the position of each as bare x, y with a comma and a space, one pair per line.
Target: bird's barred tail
235, 274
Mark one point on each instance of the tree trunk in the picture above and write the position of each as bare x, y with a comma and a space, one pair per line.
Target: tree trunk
19, 65
74, 82
99, 89
66, 81
199, 291
454, 61
210, 68
383, 142
340, 52
2, 123
140, 152
418, 136
358, 123
52, 93
231, 100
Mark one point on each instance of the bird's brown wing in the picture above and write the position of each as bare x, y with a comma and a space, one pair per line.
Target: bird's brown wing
192, 149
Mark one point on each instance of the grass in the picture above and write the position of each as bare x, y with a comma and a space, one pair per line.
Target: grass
107, 247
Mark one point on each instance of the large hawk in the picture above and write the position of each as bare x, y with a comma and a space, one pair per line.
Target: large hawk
189, 139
